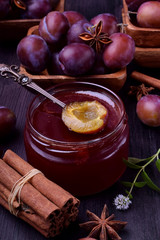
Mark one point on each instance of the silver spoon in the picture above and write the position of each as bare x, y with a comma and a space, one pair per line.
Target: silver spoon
13, 71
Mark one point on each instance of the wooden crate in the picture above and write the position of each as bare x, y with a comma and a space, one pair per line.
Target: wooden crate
147, 40
143, 37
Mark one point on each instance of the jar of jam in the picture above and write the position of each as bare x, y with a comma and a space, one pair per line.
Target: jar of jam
83, 164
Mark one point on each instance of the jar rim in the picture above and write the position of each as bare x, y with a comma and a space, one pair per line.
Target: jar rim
85, 142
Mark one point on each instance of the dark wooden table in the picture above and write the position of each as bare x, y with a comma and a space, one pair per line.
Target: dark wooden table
143, 216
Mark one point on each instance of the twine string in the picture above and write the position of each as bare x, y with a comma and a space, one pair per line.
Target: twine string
17, 187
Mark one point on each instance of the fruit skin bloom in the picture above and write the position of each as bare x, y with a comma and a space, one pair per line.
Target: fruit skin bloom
122, 202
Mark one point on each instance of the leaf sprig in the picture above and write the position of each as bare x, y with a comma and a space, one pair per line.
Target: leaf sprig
140, 165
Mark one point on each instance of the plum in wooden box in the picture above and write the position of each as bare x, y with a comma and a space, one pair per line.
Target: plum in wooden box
17, 16
144, 29
68, 47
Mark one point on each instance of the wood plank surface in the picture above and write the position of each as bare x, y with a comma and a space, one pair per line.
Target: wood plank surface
143, 217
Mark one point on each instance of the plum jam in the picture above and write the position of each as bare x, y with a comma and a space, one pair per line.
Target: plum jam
83, 164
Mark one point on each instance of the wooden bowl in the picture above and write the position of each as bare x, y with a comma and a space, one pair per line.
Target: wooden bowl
113, 81
13, 30
147, 40
147, 57
143, 37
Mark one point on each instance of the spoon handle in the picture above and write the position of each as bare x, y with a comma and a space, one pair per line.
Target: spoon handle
40, 90
13, 71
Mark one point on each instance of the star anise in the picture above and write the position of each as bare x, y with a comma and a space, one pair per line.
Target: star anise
104, 226
95, 36
140, 91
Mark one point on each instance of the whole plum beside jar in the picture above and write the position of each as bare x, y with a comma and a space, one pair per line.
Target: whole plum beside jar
76, 29
7, 121
73, 16
33, 53
148, 110
109, 22
53, 27
4, 8
148, 15
120, 52
76, 59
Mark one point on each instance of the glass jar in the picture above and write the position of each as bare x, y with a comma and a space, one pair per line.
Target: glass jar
82, 164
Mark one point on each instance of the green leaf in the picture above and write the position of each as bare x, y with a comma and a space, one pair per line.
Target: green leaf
138, 160
129, 194
137, 184
131, 165
126, 184
140, 184
149, 182
158, 164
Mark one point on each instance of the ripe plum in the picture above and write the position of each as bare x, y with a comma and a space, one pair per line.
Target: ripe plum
4, 8
7, 121
120, 52
99, 67
76, 58
37, 9
53, 27
148, 15
76, 29
54, 65
133, 5
148, 110
33, 53
109, 22
73, 16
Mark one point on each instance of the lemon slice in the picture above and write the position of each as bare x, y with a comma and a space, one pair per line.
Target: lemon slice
86, 117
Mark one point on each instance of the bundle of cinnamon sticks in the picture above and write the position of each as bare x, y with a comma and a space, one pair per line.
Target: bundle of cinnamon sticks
43, 204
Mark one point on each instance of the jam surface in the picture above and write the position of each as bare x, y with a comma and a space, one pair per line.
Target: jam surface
47, 120
81, 164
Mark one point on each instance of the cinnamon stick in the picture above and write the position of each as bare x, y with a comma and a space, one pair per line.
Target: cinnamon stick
63, 199
154, 82
4, 193
26, 219
29, 195
43, 204
52, 191
34, 218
